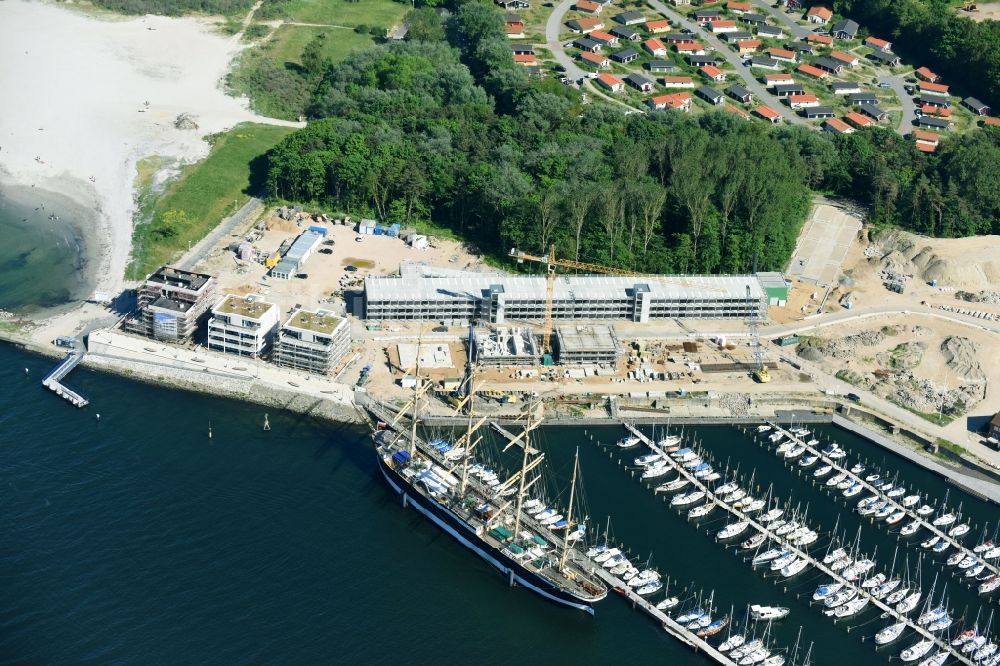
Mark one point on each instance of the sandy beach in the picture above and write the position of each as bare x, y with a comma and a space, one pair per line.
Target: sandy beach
88, 96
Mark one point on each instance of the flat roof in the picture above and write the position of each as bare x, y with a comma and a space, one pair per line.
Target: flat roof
165, 303
592, 338
772, 280
177, 277
302, 245
317, 321
250, 307
474, 286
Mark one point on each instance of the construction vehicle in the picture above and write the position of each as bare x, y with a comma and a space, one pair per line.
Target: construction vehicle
760, 372
551, 263
971, 7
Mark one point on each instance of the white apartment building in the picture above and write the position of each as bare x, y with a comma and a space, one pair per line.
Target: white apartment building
243, 325
313, 341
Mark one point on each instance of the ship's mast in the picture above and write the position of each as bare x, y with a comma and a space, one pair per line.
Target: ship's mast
569, 512
416, 400
520, 489
468, 434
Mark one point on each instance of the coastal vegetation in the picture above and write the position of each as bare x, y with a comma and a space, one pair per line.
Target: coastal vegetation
201, 195
965, 52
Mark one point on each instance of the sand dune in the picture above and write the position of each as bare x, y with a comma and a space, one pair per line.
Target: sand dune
75, 117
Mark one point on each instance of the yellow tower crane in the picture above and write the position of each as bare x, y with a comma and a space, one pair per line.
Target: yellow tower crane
551, 262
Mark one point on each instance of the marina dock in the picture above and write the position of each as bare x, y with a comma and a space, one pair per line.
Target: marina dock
911, 513
53, 380
815, 563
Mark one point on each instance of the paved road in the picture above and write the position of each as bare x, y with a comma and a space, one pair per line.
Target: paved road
205, 245
785, 19
909, 108
751, 84
552, 29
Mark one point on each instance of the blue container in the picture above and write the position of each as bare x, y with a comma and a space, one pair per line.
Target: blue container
319, 230
380, 231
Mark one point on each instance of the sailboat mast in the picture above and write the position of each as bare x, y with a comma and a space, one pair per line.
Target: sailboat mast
416, 400
569, 512
468, 435
521, 481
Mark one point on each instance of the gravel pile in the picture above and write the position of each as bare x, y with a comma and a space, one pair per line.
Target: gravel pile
736, 403
960, 355
987, 297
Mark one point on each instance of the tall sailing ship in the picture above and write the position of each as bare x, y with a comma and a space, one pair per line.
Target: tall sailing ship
529, 544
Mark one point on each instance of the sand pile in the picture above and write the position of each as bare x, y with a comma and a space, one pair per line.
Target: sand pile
971, 263
960, 355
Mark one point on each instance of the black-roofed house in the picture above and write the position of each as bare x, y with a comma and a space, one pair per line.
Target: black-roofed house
802, 48
733, 37
845, 87
625, 56
677, 38
710, 95
629, 18
977, 107
829, 64
939, 124
523, 49
701, 60
661, 66
934, 100
587, 44
739, 93
626, 33
753, 19
846, 29
786, 89
764, 62
639, 82
817, 112
707, 15
770, 31
873, 111
857, 99
883, 58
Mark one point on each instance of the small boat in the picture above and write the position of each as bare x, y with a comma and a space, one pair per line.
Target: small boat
989, 585
896, 492
909, 501
713, 628
984, 652
650, 588
823, 471
771, 515
936, 660
941, 546
975, 570
726, 488
874, 581
656, 471
857, 469
895, 517
701, 511
983, 547
959, 530
688, 498
732, 642
841, 597
925, 510
733, 529
762, 428
605, 555
671, 486
787, 557
753, 542
836, 479
946, 519
909, 603
890, 633
852, 608
649, 459
932, 615
916, 651
668, 603
834, 556
872, 478
911, 528
776, 436
767, 613
794, 568
629, 442
930, 543
808, 461
854, 490
956, 559
886, 588
963, 637
824, 591
668, 441
768, 556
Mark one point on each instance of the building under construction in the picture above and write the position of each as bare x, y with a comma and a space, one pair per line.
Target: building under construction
505, 347
588, 345
313, 341
171, 304
462, 297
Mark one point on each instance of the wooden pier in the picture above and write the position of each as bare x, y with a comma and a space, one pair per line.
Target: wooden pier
911, 513
53, 380
815, 563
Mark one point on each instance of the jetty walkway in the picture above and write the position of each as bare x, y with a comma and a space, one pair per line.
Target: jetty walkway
817, 564
53, 380
910, 512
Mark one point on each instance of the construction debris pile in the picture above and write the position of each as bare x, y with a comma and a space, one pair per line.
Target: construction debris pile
738, 404
986, 297
905, 356
961, 356
815, 349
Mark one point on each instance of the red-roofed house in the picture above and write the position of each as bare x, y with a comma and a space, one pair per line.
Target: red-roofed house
738, 111
738, 8
814, 72
772, 80
927, 137
657, 27
880, 44
588, 7
712, 73
719, 27
655, 47
813, 38
927, 75
611, 82
585, 24
933, 88
858, 120
925, 147
995, 122
939, 111
848, 59
680, 101
802, 101
768, 114
595, 59
819, 15
514, 26
837, 126
526, 59
782, 54
677, 82
604, 37
694, 48
748, 45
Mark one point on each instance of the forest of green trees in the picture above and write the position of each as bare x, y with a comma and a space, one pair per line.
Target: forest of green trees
965, 52
446, 128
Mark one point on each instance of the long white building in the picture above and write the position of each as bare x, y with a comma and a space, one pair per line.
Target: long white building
447, 295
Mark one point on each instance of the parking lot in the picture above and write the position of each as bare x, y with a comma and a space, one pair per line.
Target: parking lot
823, 245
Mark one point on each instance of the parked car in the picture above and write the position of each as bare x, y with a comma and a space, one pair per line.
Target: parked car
350, 268
358, 239
854, 397
883, 84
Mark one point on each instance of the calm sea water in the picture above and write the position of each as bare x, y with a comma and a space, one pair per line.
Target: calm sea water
137, 539
42, 259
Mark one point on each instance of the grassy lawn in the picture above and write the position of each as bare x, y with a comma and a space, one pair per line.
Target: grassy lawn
386, 13
202, 195
289, 41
